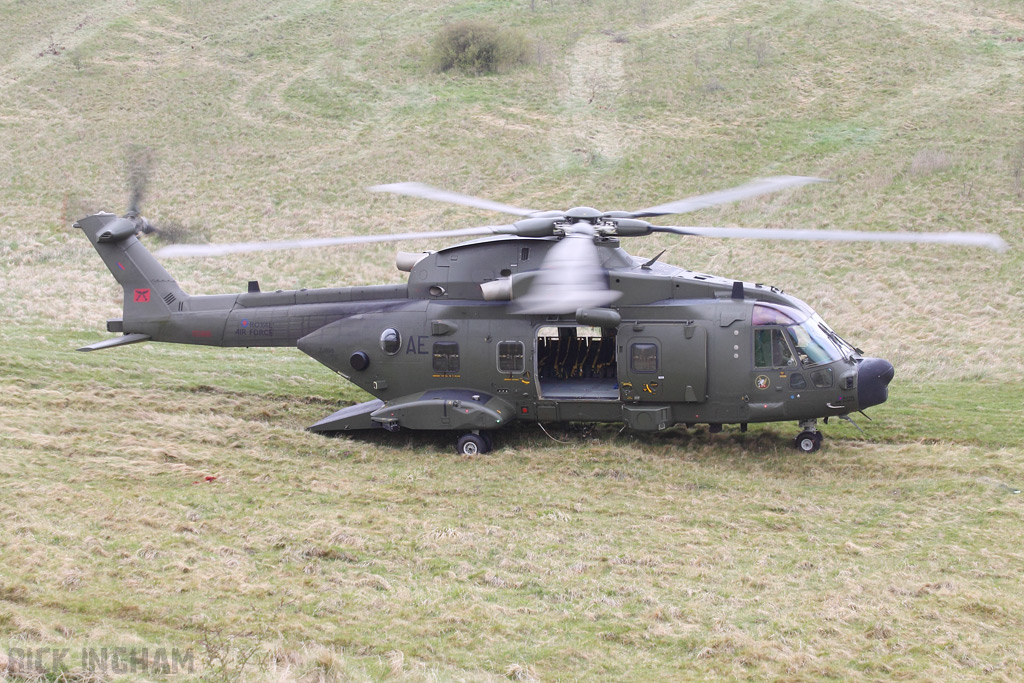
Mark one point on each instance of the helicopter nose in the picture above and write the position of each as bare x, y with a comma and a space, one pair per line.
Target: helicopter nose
873, 377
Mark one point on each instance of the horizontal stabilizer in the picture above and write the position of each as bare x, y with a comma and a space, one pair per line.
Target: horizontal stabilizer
116, 341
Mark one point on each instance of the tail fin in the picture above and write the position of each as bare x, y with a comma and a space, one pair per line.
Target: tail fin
150, 293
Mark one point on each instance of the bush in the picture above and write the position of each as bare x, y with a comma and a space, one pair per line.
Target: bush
478, 47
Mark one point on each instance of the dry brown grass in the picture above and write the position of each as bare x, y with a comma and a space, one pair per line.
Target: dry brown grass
676, 556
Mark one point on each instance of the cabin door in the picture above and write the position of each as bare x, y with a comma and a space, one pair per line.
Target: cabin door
662, 362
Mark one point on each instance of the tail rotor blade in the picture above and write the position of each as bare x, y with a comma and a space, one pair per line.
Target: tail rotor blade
138, 166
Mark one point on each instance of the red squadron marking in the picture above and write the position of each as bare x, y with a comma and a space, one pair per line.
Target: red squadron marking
142, 295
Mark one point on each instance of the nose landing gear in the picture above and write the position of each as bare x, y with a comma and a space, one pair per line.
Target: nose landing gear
809, 439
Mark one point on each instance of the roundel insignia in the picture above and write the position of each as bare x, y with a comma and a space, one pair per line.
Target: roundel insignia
762, 382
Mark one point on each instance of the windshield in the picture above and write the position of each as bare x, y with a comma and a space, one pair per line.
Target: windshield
845, 347
812, 345
813, 340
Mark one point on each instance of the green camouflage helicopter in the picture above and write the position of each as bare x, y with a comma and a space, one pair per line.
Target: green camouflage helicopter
546, 319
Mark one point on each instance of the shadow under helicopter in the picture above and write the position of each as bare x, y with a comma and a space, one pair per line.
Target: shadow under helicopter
679, 440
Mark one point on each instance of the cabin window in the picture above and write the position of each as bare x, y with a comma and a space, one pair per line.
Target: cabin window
643, 357
512, 357
771, 349
446, 357
390, 341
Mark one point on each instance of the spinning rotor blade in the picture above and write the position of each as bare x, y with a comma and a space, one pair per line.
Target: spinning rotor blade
428, 192
179, 250
138, 166
570, 278
969, 239
734, 194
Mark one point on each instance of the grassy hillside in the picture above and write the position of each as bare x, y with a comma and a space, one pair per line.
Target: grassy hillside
889, 554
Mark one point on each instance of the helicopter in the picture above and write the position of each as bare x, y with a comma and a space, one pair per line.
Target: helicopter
545, 319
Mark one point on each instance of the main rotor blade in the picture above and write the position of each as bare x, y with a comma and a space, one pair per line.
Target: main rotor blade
179, 250
735, 194
968, 239
570, 278
428, 192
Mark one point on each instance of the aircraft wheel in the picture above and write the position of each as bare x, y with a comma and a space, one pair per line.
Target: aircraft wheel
473, 444
487, 440
808, 442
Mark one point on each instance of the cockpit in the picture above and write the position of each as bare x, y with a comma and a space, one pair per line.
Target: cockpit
812, 340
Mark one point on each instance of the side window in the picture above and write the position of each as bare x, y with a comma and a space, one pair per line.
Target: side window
762, 348
390, 341
643, 357
771, 349
511, 357
446, 357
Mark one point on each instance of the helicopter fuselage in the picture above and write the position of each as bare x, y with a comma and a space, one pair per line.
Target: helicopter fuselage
678, 347
448, 350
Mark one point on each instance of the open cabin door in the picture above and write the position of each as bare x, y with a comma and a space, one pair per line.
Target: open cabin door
575, 362
662, 362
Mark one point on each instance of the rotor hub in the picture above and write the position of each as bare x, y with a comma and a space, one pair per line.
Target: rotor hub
582, 213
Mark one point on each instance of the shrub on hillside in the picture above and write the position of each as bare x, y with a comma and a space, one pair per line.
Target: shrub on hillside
477, 47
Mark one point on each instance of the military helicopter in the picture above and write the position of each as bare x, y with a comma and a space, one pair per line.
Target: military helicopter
545, 319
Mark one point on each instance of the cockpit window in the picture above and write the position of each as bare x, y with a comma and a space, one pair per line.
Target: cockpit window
774, 314
771, 349
812, 346
814, 341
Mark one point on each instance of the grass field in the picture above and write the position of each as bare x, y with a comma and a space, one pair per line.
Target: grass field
893, 554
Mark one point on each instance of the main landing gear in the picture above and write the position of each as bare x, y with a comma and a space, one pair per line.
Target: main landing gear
474, 443
809, 439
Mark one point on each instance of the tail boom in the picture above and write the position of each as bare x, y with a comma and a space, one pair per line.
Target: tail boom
156, 309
